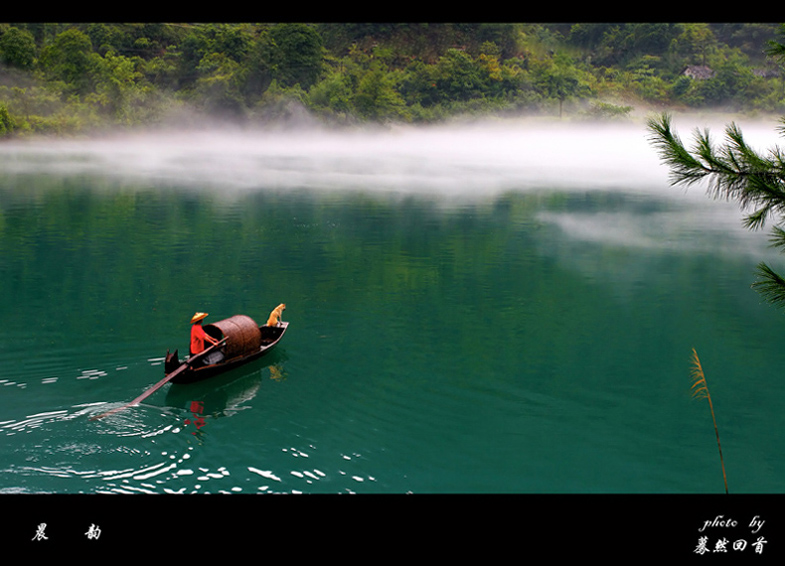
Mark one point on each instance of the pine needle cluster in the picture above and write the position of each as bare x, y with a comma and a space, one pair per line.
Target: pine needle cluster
733, 171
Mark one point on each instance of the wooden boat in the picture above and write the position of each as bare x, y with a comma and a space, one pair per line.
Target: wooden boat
243, 341
240, 341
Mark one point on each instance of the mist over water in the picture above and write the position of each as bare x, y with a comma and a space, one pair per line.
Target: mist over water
477, 160
454, 165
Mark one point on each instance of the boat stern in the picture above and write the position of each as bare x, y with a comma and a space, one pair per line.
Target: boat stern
171, 362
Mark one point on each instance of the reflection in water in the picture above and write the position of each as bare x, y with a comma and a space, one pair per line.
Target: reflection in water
226, 395
197, 408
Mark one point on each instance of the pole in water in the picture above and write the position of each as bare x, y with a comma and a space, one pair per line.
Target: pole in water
185, 365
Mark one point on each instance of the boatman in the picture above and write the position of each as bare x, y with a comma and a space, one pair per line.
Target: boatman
198, 335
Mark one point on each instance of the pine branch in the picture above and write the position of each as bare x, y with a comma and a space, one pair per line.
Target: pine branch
771, 285
685, 169
734, 170
777, 238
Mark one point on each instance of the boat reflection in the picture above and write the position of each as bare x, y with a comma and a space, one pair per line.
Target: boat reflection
225, 395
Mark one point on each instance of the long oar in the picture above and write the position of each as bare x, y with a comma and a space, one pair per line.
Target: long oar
185, 365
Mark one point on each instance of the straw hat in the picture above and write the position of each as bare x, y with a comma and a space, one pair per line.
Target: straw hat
198, 316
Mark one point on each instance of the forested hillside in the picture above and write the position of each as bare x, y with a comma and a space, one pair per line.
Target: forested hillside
69, 78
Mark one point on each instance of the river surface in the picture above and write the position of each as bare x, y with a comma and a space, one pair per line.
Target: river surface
500, 308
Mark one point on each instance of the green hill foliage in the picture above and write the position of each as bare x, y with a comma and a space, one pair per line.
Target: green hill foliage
67, 78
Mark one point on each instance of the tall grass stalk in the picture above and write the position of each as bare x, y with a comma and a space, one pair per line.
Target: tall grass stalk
700, 390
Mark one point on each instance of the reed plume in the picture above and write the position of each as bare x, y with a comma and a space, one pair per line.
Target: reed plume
700, 390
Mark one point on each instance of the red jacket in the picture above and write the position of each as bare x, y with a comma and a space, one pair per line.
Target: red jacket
197, 339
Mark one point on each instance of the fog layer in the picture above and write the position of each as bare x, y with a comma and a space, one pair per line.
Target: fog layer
480, 160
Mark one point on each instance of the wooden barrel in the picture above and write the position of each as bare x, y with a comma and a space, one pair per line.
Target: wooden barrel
242, 334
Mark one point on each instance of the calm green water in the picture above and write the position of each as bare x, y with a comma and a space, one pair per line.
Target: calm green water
468, 315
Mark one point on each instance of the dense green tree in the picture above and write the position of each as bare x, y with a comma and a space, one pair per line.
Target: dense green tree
190, 51
104, 37
297, 56
376, 97
201, 48
233, 41
258, 66
162, 71
17, 48
458, 77
6, 122
651, 38
418, 84
219, 85
695, 44
737, 172
68, 59
558, 78
333, 95
117, 82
